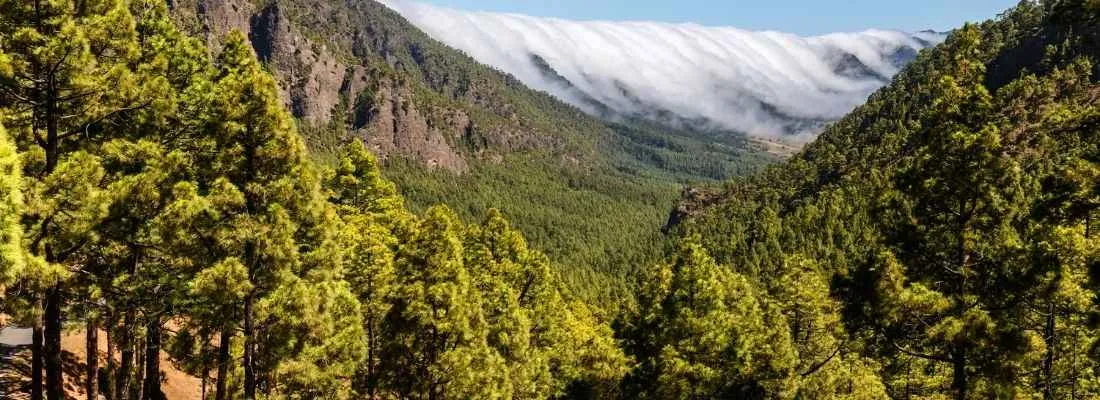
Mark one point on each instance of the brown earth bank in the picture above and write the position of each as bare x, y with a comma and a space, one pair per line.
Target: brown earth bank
15, 371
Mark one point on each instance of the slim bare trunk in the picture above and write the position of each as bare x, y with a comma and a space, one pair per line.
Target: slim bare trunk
112, 367
139, 372
52, 313
123, 387
126, 365
52, 344
371, 373
1048, 358
91, 366
205, 349
36, 360
151, 389
249, 348
960, 383
223, 363
1073, 378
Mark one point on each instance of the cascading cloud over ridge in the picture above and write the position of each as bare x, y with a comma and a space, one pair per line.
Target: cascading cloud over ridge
767, 84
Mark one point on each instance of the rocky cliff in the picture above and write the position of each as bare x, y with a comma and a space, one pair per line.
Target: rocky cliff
322, 83
355, 64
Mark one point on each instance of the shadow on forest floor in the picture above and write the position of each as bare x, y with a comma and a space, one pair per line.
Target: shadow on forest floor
15, 372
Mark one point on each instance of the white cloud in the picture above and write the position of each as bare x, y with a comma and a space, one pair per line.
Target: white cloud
732, 78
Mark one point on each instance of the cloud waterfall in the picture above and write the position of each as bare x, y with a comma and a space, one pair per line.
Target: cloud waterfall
768, 84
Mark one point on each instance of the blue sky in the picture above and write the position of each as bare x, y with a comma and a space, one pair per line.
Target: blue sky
804, 17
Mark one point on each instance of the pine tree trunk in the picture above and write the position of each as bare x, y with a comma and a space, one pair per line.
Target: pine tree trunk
960, 383
908, 377
126, 365
1048, 358
139, 372
152, 360
249, 348
37, 347
1073, 377
204, 350
371, 373
36, 360
123, 385
91, 365
52, 344
112, 367
223, 363
52, 313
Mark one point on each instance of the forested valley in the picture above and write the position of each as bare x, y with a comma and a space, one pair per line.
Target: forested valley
159, 197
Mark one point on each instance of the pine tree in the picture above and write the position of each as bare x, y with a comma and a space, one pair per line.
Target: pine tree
259, 190
315, 333
711, 333
959, 202
11, 255
549, 343
827, 367
370, 253
434, 322
143, 177
357, 186
1060, 243
371, 210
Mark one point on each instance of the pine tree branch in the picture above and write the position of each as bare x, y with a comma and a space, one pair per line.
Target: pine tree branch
920, 355
822, 363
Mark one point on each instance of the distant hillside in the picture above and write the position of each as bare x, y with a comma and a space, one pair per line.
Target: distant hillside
1022, 42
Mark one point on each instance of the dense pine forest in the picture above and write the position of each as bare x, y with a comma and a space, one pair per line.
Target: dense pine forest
157, 195
938, 242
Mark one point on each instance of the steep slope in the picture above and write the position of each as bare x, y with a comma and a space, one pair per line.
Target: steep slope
451, 130
938, 242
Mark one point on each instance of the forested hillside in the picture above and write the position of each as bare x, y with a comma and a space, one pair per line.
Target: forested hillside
938, 242
453, 131
164, 197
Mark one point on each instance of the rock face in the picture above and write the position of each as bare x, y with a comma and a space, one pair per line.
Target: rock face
692, 202
311, 76
221, 17
396, 126
319, 84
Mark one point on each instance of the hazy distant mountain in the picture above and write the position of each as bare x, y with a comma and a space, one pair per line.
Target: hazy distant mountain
767, 84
